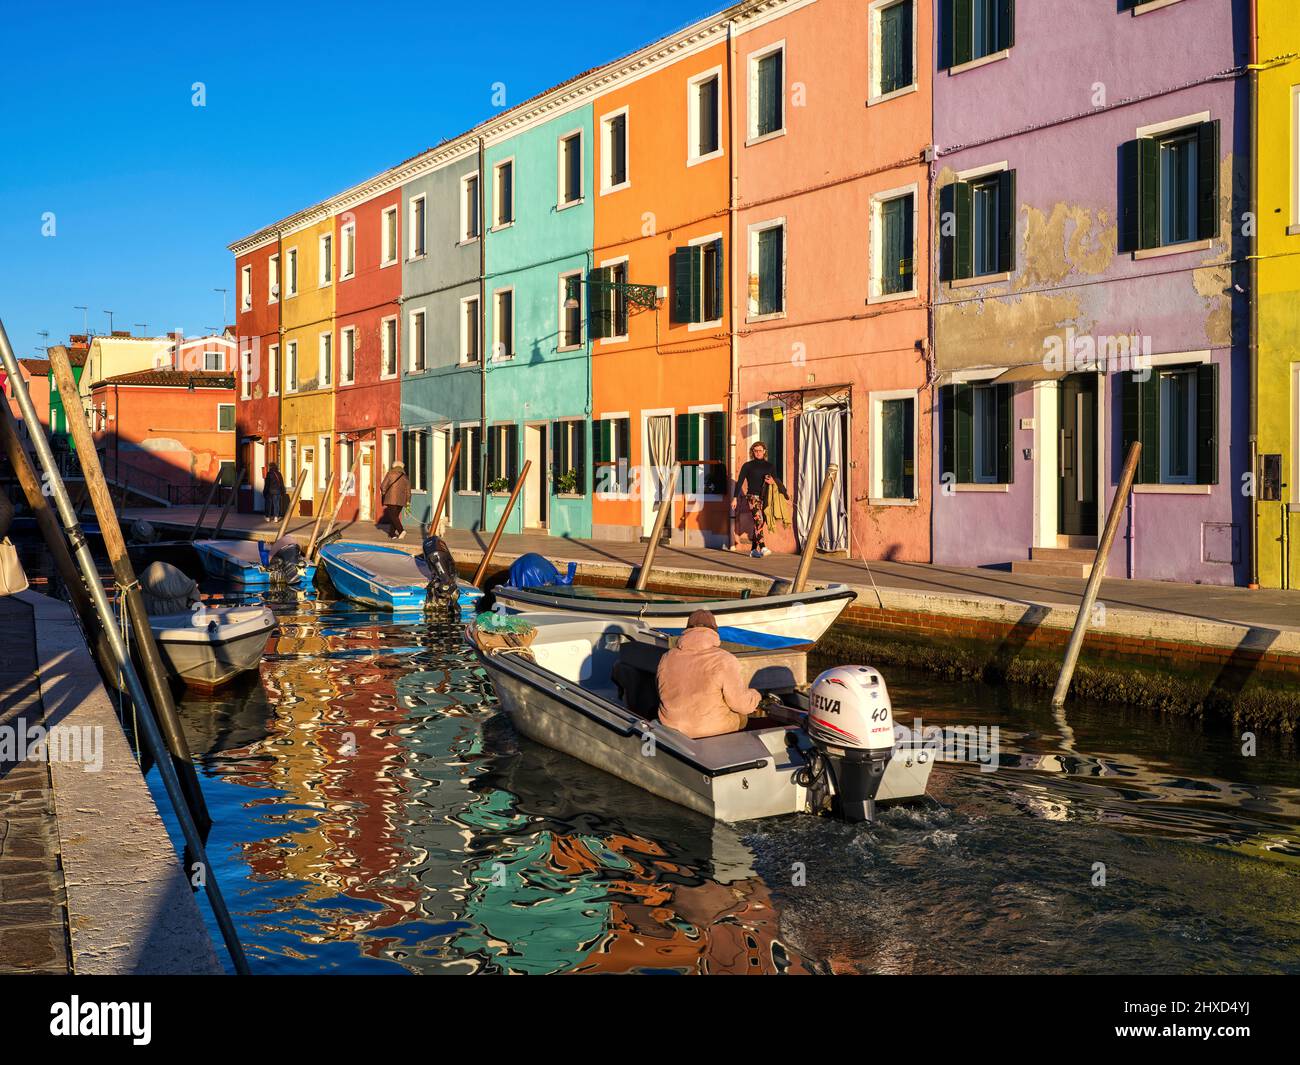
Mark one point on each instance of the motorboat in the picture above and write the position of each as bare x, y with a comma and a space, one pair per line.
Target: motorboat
389, 578
255, 564
203, 645
585, 686
802, 615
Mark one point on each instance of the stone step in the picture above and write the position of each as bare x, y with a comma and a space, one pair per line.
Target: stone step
1039, 567
1084, 555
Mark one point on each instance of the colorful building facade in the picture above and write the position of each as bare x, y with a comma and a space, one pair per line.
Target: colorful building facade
258, 339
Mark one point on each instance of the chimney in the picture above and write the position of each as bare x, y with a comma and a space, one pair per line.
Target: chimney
122, 333
78, 340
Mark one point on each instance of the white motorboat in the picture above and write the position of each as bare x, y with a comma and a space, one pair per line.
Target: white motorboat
830, 746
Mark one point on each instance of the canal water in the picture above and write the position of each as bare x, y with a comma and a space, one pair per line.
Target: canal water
375, 812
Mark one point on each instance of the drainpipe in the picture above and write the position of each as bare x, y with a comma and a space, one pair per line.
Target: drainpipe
733, 379
1253, 296
482, 340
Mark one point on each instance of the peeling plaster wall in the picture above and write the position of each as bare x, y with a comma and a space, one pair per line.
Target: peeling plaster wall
1036, 111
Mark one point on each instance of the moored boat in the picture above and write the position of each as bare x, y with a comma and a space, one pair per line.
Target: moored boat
830, 745
255, 564
392, 579
802, 615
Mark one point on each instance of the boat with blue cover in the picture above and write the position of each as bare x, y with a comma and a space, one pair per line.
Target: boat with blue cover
255, 564
392, 579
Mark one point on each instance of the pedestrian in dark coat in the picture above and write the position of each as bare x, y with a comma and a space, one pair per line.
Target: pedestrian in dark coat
273, 493
394, 494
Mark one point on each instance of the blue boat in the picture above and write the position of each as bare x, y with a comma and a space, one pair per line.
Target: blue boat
254, 564
385, 577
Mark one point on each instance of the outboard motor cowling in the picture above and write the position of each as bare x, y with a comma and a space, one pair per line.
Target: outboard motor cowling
442, 588
285, 565
851, 723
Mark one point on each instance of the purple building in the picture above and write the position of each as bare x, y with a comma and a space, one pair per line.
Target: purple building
1090, 181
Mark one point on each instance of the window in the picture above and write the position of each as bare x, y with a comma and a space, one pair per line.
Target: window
226, 473
387, 450
469, 466
291, 272
417, 236
698, 283
388, 237
570, 169
609, 308
291, 366
978, 226
325, 463
347, 355
418, 360
226, 417
273, 279
973, 29
614, 148
767, 93
568, 465
611, 460
213, 361
469, 213
388, 347
704, 117
246, 375
1170, 187
893, 469
976, 433
895, 245
893, 54
502, 457
702, 452
767, 269
771, 433
503, 324
417, 459
347, 464
246, 288
325, 368
1174, 413
469, 329
326, 259
290, 470
503, 192
273, 370
348, 240
570, 310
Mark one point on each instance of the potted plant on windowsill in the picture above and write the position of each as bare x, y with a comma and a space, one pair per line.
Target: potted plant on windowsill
566, 484
499, 486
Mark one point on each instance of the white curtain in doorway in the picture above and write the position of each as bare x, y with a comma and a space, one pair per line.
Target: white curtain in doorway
821, 443
659, 437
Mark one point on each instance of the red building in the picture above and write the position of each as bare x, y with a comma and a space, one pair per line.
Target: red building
257, 337
371, 241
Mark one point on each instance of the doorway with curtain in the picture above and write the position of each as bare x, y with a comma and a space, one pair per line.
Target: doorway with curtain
658, 464
823, 440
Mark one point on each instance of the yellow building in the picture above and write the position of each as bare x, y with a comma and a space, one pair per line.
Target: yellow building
308, 262
110, 356
1277, 289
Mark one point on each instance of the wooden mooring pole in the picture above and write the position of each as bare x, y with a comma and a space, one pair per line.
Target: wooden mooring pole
225, 510
501, 525
212, 492
442, 496
665, 509
149, 730
293, 503
324, 504
1084, 617
815, 531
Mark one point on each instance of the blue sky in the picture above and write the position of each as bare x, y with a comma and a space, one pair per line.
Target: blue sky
146, 190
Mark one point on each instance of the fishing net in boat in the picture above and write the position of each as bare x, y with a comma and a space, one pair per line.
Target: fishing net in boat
494, 632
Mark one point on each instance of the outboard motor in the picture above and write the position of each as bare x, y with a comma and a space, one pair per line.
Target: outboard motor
442, 590
285, 564
851, 724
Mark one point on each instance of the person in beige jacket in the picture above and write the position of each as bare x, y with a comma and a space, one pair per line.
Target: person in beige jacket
701, 692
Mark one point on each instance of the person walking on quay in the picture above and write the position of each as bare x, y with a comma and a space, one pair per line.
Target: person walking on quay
273, 493
755, 483
394, 493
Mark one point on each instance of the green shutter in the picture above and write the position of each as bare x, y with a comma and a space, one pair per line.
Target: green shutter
1006, 24
1207, 424
909, 449
964, 242
948, 430
1148, 193
1146, 399
891, 449
719, 284
715, 481
1207, 181
600, 301
946, 26
963, 32
512, 464
1006, 418
681, 269
964, 417
1007, 217
1130, 409
1130, 200
947, 241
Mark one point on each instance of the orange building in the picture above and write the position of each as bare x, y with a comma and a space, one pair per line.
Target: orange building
658, 307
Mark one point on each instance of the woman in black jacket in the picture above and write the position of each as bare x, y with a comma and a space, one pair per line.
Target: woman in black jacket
756, 478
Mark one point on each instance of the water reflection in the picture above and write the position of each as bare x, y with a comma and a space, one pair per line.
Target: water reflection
375, 813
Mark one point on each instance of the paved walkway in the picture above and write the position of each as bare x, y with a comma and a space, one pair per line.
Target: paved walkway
1272, 610
33, 899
